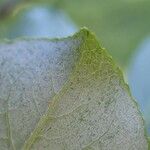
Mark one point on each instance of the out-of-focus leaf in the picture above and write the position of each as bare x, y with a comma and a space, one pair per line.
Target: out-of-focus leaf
37, 21
139, 78
65, 94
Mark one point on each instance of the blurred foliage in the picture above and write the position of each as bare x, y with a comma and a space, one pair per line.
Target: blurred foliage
139, 78
37, 21
7, 6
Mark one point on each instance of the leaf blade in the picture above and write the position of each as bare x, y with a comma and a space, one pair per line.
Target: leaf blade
90, 106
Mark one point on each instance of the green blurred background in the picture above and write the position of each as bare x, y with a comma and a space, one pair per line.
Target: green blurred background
121, 26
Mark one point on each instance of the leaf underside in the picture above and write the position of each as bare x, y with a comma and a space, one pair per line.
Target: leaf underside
65, 94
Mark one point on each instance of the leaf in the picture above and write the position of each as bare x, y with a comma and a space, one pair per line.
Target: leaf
35, 21
139, 78
65, 94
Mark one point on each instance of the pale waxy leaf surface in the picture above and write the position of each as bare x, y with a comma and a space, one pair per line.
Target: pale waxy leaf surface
65, 94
